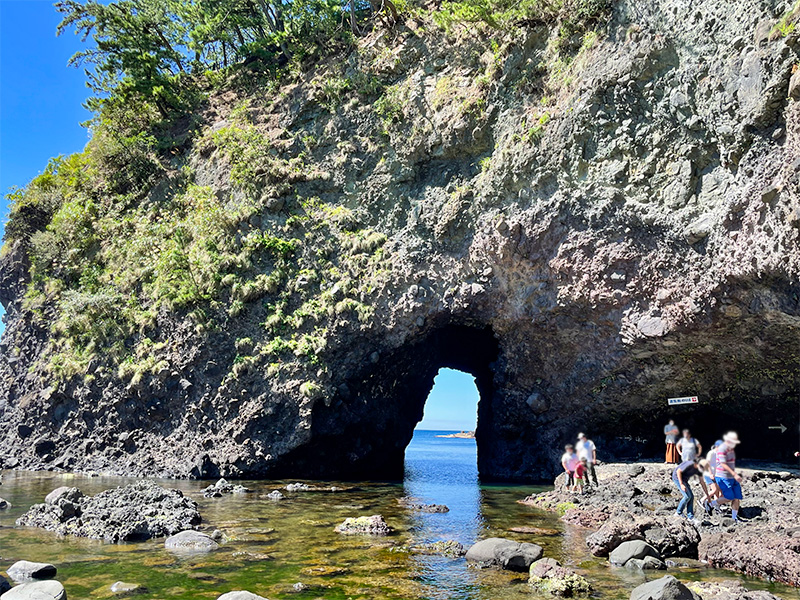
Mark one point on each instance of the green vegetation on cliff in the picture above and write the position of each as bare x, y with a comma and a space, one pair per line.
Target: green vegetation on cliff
123, 234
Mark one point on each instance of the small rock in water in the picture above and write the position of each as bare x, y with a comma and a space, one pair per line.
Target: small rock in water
374, 525
217, 536
25, 570
239, 595
4, 504
422, 507
120, 587
275, 495
37, 590
298, 487
299, 587
449, 548
190, 541
223, 487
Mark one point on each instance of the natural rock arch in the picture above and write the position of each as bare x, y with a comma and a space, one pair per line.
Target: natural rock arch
364, 430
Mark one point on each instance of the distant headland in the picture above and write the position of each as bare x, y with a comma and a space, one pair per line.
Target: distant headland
466, 435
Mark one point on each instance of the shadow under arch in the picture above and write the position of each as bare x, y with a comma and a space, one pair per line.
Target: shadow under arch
362, 433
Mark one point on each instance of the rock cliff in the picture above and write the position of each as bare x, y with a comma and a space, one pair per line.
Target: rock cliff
588, 231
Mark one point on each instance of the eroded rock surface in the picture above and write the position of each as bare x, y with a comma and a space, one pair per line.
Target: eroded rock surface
586, 243
135, 512
637, 502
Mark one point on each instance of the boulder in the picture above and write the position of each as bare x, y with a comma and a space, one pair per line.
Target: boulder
506, 554
666, 588
547, 575
135, 512
190, 541
25, 570
631, 549
670, 536
37, 590
241, 596
374, 525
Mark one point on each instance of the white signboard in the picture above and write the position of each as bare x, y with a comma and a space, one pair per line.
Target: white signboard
687, 400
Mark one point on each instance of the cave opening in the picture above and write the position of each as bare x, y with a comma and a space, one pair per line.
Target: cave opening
363, 432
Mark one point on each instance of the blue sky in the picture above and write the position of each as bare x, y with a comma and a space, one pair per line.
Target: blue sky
452, 403
40, 96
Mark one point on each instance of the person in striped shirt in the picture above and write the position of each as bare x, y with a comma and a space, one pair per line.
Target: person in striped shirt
727, 479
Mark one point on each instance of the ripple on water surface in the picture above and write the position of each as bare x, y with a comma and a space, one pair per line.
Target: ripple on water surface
273, 545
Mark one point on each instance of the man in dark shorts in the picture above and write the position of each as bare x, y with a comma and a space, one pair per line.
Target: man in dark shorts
680, 476
728, 480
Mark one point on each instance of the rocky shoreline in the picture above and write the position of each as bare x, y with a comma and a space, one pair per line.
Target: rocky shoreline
637, 502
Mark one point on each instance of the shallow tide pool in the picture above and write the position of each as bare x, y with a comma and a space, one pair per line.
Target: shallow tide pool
274, 545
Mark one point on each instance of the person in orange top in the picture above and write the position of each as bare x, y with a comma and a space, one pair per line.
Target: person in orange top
671, 434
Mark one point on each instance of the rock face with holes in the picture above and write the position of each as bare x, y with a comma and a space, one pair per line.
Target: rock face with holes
627, 236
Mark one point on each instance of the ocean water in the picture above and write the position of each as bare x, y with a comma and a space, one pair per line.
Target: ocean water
274, 545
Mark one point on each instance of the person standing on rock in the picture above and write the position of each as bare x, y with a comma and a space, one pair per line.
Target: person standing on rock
688, 446
728, 480
570, 460
587, 450
671, 433
681, 475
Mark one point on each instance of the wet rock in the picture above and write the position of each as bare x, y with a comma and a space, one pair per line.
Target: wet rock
37, 590
241, 596
636, 549
120, 588
758, 553
728, 590
190, 541
666, 588
503, 553
411, 504
449, 548
374, 525
648, 563
4, 504
4, 585
222, 487
670, 536
135, 512
298, 487
25, 570
274, 495
547, 575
